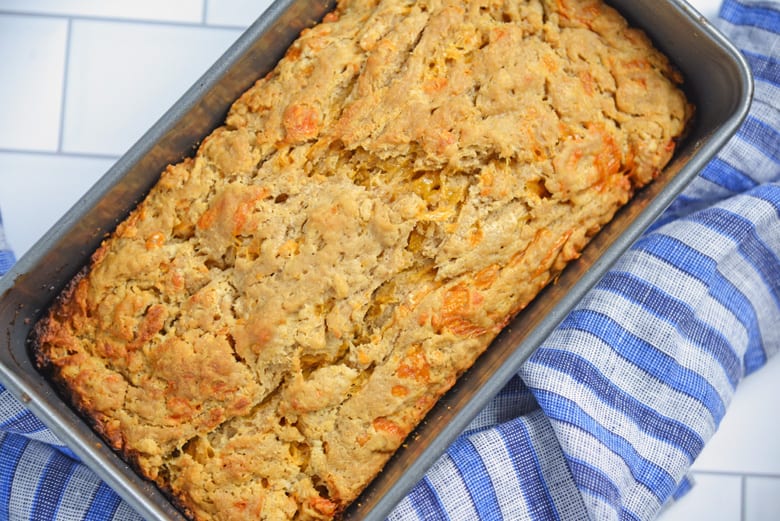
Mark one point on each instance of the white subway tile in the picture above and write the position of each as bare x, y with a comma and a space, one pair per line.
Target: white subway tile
240, 13
32, 64
167, 10
762, 499
747, 440
37, 189
709, 8
713, 497
123, 76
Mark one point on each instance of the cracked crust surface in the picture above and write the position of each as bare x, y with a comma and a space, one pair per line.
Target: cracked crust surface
264, 330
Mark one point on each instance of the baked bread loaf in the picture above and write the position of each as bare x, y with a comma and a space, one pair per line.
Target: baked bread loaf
268, 325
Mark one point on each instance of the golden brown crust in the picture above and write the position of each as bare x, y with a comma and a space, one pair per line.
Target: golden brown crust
269, 324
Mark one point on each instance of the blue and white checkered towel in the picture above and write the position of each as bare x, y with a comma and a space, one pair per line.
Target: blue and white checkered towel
604, 421
7, 258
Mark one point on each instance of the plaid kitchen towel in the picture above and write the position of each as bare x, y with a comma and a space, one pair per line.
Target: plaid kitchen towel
604, 421
7, 258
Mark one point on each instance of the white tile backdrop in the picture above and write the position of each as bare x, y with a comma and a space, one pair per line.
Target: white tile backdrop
32, 65
233, 12
141, 89
81, 80
189, 11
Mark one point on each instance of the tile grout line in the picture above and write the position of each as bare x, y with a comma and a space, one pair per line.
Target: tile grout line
767, 475
64, 92
743, 498
129, 20
204, 21
63, 154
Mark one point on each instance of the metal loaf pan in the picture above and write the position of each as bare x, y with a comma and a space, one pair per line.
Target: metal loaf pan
718, 82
